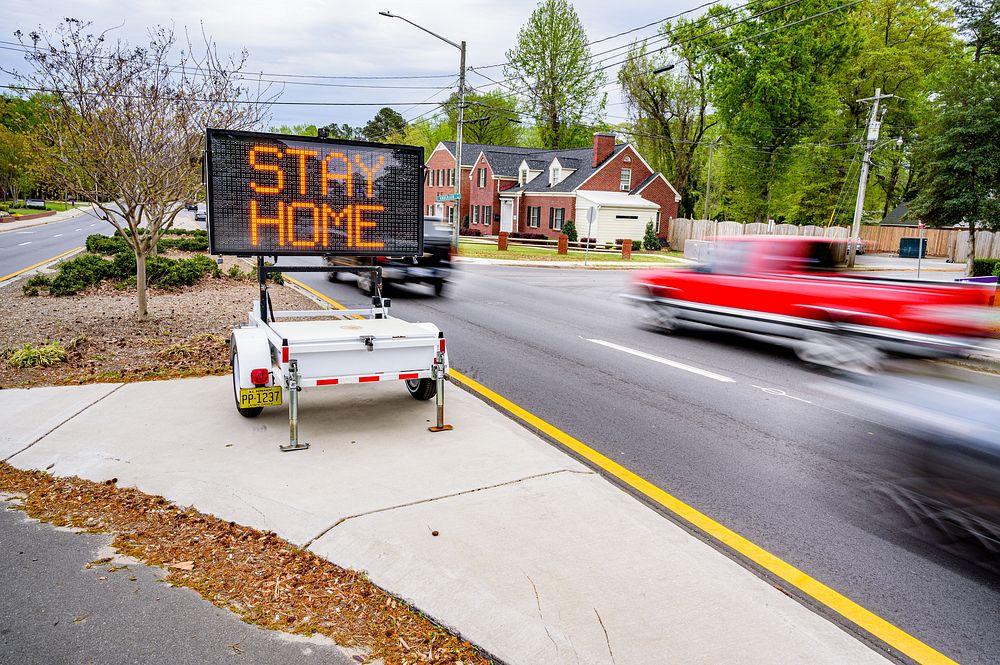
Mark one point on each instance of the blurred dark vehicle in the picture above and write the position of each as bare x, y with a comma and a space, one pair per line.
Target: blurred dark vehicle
191, 206
200, 214
432, 268
789, 288
949, 476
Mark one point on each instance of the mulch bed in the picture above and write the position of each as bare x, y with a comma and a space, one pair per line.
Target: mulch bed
186, 334
262, 578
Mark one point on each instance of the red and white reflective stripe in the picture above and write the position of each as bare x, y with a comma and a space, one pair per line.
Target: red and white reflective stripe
364, 378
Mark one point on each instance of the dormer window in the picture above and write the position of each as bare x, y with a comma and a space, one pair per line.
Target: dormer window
555, 175
522, 177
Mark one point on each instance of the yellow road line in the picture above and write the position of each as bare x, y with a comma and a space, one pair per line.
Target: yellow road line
866, 620
40, 263
333, 303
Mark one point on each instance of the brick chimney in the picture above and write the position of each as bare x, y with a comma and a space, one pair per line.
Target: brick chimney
604, 145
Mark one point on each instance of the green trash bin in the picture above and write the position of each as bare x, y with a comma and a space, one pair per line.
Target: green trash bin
909, 248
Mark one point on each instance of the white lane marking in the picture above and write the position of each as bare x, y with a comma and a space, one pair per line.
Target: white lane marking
22, 244
25, 233
92, 225
58, 235
80, 229
779, 393
664, 361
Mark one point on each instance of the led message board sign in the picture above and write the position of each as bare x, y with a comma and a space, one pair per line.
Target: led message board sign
272, 194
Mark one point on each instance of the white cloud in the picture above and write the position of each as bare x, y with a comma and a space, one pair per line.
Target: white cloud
338, 38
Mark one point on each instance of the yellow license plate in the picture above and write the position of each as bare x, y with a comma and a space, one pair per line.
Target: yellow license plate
251, 397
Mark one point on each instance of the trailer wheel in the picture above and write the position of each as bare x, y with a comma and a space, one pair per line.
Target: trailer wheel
422, 389
252, 412
658, 318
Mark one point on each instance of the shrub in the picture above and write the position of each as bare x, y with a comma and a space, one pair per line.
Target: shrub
184, 244
79, 273
569, 228
102, 244
173, 273
234, 272
984, 267
37, 356
636, 245
649, 240
996, 270
465, 231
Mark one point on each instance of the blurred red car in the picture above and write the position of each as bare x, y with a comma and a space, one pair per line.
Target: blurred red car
790, 287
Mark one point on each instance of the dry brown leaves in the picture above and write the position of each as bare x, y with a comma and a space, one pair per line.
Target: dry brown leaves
262, 578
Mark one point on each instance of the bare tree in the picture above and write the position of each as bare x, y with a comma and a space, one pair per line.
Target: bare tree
127, 125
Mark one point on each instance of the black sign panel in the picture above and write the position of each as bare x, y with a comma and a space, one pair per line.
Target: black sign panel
273, 194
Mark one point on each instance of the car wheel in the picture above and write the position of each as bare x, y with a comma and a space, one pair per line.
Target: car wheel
838, 352
422, 389
252, 412
365, 282
655, 317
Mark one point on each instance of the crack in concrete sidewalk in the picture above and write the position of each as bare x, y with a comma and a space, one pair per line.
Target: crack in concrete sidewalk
99, 399
438, 498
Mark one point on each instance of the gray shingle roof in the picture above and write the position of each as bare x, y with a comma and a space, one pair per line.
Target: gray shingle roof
582, 156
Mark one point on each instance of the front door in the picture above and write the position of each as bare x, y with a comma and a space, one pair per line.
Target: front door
506, 215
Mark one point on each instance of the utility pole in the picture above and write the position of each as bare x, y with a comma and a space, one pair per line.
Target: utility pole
708, 180
458, 150
874, 125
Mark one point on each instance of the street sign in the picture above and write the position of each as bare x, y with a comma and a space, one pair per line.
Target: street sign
448, 197
272, 194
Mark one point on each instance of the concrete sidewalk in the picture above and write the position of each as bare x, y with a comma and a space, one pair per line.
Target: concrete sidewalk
538, 559
672, 262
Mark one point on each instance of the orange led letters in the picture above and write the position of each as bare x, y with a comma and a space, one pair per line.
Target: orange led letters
299, 205
256, 220
360, 224
351, 222
327, 175
274, 168
371, 173
302, 154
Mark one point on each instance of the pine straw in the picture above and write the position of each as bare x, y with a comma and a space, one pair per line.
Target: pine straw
262, 578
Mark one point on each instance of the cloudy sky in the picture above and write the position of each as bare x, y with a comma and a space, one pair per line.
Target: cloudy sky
341, 38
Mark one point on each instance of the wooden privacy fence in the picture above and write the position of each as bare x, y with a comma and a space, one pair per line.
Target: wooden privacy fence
886, 238
682, 230
987, 246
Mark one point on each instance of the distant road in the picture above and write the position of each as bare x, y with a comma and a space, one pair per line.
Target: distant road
26, 247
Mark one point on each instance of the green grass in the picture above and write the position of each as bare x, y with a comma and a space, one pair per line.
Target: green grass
49, 206
515, 252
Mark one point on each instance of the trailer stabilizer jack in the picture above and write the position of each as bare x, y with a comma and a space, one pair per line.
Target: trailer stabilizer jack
293, 410
438, 373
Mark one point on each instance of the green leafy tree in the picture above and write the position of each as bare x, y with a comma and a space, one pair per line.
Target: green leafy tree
297, 130
961, 150
16, 156
387, 122
490, 118
345, 131
649, 239
553, 72
671, 109
979, 21
772, 91
425, 133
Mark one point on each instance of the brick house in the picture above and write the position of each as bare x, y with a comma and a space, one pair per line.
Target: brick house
530, 190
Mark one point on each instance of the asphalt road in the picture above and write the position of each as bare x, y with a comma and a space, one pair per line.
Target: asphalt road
26, 247
737, 428
56, 610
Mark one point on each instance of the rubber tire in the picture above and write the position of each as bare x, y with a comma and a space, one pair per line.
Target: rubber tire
253, 411
439, 288
365, 282
422, 389
656, 318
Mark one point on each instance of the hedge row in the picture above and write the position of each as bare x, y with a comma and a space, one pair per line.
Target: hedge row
186, 241
986, 267
90, 269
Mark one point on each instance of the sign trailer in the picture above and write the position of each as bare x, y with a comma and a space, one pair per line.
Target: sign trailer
277, 195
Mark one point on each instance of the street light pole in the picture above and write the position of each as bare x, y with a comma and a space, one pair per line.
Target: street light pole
461, 119
874, 125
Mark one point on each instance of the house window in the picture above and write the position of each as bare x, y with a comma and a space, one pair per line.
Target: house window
481, 174
556, 216
555, 174
627, 159
522, 177
625, 183
487, 218
534, 216
451, 177
626, 216
658, 222
475, 214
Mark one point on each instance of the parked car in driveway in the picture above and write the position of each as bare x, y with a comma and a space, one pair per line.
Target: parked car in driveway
432, 268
